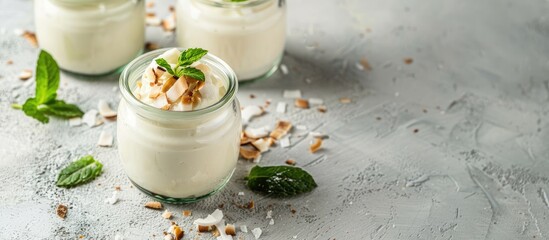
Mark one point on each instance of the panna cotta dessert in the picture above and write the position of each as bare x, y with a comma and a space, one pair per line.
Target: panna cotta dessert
249, 34
91, 37
179, 124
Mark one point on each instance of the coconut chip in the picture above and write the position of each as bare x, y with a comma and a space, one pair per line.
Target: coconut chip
153, 205
257, 233
317, 144
290, 162
62, 211
251, 111
211, 219
167, 214
302, 103
257, 132
230, 230
281, 107
105, 110
113, 199
261, 145
322, 109
249, 154
25, 74
281, 129
90, 118
177, 89
285, 142
75, 121
244, 139
292, 93
105, 139
204, 228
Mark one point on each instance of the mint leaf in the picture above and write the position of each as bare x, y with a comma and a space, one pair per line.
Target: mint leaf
163, 63
47, 78
190, 56
30, 108
61, 109
280, 181
193, 73
78, 172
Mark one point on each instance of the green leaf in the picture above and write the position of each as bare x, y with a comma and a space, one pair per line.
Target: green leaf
190, 56
78, 172
61, 109
280, 181
163, 63
30, 108
47, 78
193, 73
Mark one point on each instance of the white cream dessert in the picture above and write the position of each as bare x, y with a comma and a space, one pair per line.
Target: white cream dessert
91, 36
189, 148
163, 90
248, 35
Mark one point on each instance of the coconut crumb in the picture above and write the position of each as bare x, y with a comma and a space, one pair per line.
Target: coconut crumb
345, 100
153, 205
257, 233
176, 231
319, 135
272, 222
240, 193
322, 109
25, 74
230, 230
113, 199
317, 144
187, 213
408, 61
31, 38
105, 139
302, 103
167, 214
244, 228
285, 142
290, 162
62, 211
316, 101
201, 228
284, 69
269, 214
9, 62
292, 93
365, 64
75, 121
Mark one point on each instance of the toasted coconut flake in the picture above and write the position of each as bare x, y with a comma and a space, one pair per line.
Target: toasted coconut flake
256, 132
270, 140
257, 233
302, 103
168, 24
281, 129
62, 211
211, 219
244, 228
408, 60
281, 107
105, 110
316, 101
151, 46
158, 71
167, 214
168, 84
31, 38
90, 118
105, 139
317, 144
292, 93
177, 231
187, 213
201, 228
345, 100
249, 154
261, 145
75, 121
153, 205
322, 109
25, 74
152, 20
230, 230
285, 142
290, 162
244, 139
251, 111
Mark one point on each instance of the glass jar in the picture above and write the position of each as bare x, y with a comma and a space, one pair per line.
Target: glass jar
248, 35
91, 37
178, 156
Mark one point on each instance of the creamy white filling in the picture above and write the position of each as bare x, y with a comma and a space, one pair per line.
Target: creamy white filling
151, 89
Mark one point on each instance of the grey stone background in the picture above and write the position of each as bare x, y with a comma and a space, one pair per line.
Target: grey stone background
477, 92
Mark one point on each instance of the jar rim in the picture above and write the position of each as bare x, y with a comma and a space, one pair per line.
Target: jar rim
209, 59
243, 4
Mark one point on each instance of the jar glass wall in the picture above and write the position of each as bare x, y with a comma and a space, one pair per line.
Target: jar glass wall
248, 35
91, 37
178, 156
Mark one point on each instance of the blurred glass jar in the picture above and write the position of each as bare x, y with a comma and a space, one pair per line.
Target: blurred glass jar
249, 35
178, 156
91, 37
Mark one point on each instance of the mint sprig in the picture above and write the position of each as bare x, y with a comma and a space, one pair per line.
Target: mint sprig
183, 68
79, 172
280, 181
44, 103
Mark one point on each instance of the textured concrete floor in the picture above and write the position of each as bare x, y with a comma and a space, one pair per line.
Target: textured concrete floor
452, 146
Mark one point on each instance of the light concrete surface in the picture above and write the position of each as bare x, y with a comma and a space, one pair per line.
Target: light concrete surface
476, 167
